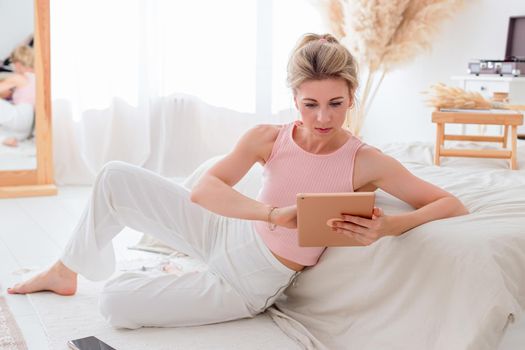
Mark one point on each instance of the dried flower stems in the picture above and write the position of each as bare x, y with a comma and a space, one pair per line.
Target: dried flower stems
443, 96
383, 34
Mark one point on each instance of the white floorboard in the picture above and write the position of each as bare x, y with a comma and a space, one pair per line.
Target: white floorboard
33, 232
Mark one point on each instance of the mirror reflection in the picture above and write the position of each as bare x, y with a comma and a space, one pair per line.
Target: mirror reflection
17, 86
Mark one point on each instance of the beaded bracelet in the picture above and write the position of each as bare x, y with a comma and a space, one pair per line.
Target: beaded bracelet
271, 226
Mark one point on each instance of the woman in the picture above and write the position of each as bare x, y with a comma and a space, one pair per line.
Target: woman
16, 116
249, 245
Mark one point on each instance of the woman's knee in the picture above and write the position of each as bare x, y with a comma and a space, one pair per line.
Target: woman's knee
114, 171
115, 165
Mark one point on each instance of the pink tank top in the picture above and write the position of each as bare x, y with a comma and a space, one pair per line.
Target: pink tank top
291, 170
26, 94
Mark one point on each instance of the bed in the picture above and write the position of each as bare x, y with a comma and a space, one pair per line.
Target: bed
457, 283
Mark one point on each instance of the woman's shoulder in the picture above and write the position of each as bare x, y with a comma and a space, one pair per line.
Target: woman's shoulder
265, 132
368, 164
369, 150
262, 137
368, 154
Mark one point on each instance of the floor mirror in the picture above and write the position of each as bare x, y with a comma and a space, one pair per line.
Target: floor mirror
26, 164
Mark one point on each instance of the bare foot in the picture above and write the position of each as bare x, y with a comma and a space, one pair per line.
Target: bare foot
11, 142
58, 279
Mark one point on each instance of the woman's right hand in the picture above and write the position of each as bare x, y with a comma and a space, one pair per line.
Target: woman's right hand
285, 216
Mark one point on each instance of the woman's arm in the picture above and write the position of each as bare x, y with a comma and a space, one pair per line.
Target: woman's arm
431, 202
214, 190
11, 82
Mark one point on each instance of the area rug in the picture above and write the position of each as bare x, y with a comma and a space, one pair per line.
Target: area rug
66, 318
10, 335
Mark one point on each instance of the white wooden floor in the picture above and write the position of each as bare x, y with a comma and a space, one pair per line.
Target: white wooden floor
33, 232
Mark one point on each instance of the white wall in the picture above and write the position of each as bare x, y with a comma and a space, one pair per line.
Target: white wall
399, 113
16, 24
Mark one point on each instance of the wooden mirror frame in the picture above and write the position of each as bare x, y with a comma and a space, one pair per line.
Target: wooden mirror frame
39, 181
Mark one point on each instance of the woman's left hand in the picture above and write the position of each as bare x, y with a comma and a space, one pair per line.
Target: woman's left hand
366, 231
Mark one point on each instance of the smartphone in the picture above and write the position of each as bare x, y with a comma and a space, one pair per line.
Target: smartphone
88, 343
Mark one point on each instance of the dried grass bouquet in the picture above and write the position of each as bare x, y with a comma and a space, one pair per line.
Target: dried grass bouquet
443, 96
383, 34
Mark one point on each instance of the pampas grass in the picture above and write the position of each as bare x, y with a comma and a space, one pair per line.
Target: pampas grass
416, 32
443, 96
370, 26
383, 34
333, 16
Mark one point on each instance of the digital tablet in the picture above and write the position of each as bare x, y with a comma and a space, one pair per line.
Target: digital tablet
315, 210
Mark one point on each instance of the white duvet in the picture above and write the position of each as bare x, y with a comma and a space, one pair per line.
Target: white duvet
452, 284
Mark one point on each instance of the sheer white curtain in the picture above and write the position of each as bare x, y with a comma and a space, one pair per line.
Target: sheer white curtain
114, 61
116, 65
96, 84
127, 48
291, 19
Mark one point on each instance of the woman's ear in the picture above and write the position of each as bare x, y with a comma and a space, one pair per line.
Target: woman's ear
295, 101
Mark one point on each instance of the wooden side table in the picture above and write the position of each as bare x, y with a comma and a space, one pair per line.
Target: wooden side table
512, 120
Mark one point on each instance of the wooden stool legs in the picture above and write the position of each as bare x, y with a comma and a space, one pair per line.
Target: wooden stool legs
505, 119
440, 141
514, 157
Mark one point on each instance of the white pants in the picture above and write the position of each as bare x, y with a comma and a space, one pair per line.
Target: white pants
243, 278
16, 119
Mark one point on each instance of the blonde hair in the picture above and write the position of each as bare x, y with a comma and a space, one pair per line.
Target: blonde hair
318, 57
24, 55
